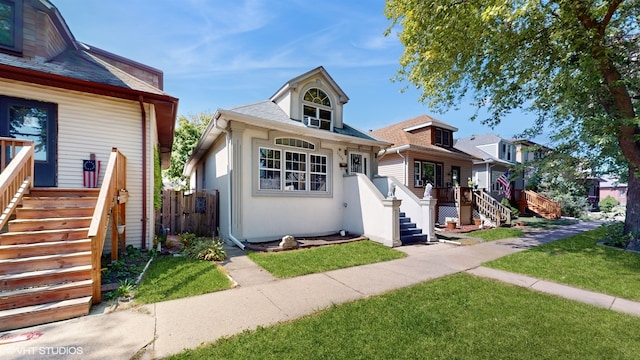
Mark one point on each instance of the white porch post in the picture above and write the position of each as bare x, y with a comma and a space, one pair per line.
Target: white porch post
392, 212
428, 207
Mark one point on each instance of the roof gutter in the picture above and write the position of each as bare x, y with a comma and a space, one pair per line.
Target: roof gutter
382, 153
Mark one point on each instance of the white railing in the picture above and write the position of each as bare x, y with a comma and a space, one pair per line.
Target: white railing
410, 202
369, 213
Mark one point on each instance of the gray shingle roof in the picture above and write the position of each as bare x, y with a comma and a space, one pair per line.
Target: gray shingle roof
269, 110
469, 145
80, 65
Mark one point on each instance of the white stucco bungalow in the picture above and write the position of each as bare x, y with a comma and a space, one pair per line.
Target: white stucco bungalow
290, 165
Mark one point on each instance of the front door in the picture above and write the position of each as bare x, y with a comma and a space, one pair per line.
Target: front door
359, 163
35, 121
455, 175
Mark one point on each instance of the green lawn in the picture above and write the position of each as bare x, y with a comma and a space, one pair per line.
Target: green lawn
579, 261
496, 234
542, 223
177, 277
456, 317
292, 263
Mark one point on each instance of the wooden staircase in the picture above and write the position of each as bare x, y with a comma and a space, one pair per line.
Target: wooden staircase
491, 209
46, 259
539, 204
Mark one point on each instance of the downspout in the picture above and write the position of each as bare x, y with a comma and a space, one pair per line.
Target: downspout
404, 168
229, 159
143, 118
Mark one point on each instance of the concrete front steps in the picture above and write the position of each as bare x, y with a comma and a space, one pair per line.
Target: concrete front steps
45, 258
409, 233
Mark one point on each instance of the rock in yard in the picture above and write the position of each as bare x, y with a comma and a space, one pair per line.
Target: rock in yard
288, 242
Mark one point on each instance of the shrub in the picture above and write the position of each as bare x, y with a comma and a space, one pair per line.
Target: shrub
615, 235
200, 248
215, 252
186, 239
607, 204
572, 205
514, 211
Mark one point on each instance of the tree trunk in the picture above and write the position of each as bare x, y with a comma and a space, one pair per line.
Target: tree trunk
632, 220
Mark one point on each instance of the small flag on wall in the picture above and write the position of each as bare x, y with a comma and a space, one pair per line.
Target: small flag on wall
90, 172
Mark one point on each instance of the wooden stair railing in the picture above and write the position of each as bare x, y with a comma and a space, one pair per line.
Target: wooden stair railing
544, 206
113, 182
16, 177
491, 208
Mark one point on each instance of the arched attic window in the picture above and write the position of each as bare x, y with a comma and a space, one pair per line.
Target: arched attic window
317, 110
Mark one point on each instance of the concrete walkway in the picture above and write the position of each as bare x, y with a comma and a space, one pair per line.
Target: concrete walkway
161, 329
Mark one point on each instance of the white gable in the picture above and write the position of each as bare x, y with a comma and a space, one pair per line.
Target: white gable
290, 96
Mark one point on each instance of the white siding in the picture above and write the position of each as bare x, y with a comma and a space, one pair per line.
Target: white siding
94, 124
393, 165
271, 217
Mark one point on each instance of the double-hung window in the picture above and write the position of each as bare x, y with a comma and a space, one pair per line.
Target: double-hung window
443, 137
295, 171
270, 169
318, 173
317, 109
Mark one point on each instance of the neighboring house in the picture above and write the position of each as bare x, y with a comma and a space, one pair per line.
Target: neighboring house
527, 152
63, 102
422, 153
290, 165
494, 156
611, 186
87, 100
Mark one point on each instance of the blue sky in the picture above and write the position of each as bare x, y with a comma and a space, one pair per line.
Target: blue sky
222, 54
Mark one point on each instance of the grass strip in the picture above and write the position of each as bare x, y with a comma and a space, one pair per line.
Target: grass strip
579, 261
456, 317
285, 264
177, 277
496, 234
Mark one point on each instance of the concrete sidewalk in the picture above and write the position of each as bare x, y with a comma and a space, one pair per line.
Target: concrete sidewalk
161, 329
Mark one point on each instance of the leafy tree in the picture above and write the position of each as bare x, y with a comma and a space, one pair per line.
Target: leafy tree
186, 137
572, 62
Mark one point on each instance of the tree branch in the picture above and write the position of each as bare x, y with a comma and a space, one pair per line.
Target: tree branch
612, 9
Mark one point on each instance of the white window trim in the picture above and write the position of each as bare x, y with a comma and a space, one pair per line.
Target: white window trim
318, 107
283, 192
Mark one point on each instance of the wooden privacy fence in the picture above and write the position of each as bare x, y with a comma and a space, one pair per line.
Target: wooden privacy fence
196, 212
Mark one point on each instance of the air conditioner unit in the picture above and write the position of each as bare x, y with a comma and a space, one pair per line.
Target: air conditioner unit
312, 121
418, 182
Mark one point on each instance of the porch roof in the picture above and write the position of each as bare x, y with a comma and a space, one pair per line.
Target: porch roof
429, 149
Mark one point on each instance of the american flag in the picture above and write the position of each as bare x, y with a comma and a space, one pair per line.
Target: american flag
90, 173
506, 184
